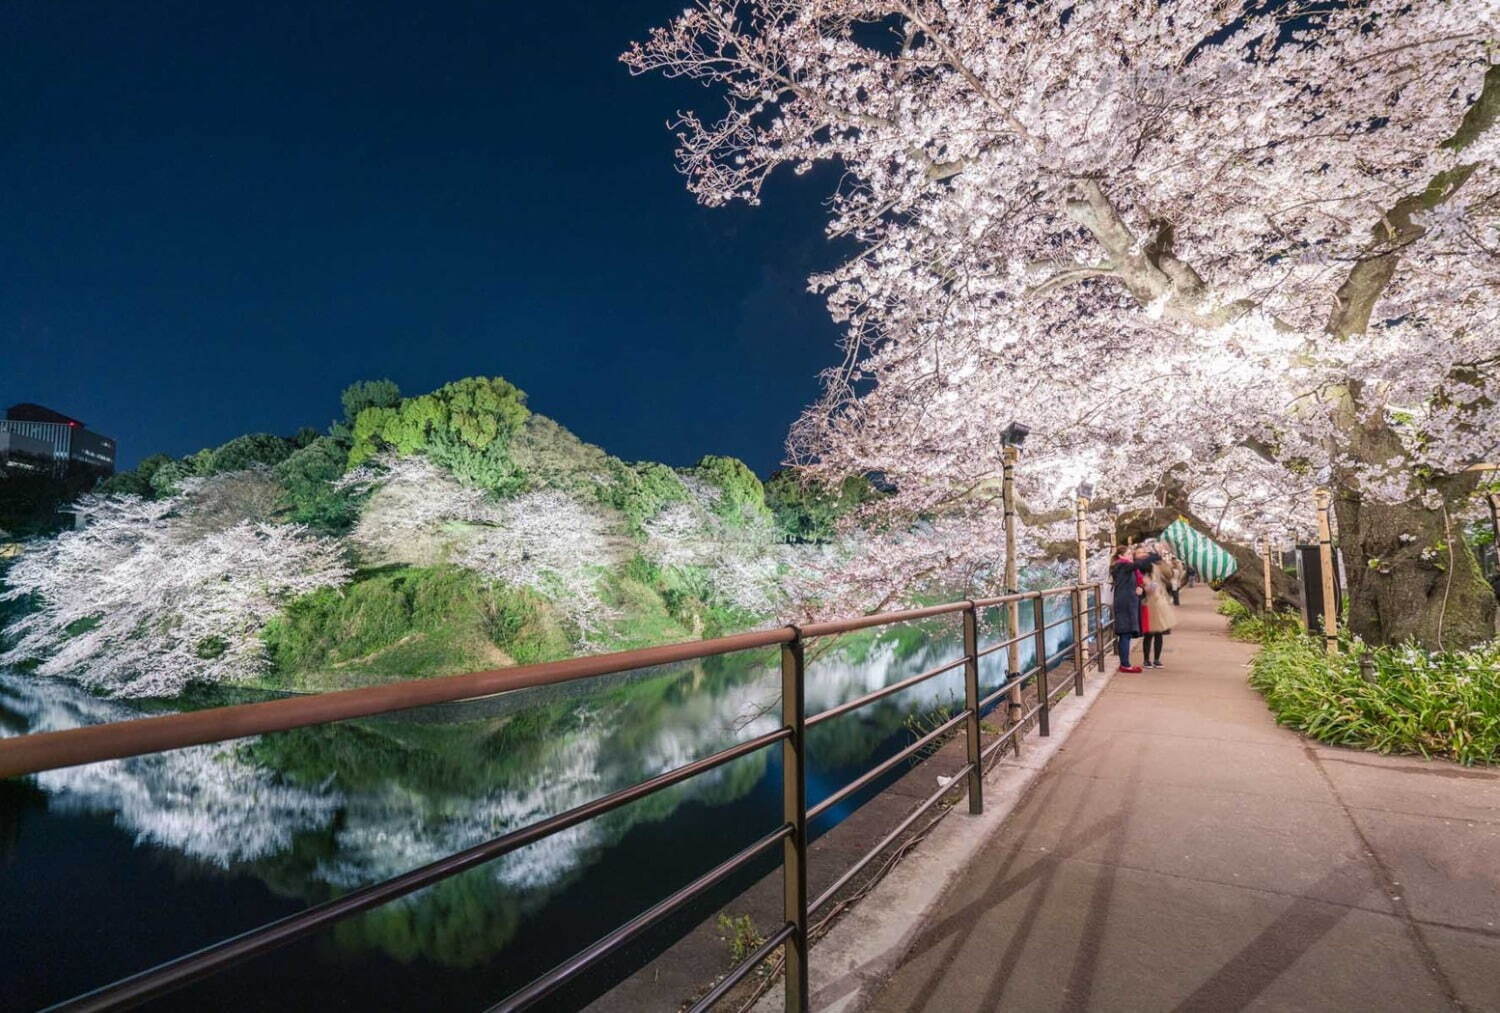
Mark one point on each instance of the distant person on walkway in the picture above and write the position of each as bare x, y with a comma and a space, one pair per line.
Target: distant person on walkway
1171, 570
1127, 575
1157, 615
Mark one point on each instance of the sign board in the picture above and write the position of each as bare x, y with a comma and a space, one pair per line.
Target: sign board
1310, 576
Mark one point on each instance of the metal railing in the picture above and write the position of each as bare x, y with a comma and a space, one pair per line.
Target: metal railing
30, 754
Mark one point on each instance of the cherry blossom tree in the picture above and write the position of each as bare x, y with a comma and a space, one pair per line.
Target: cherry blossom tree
545, 540
1173, 236
139, 601
741, 565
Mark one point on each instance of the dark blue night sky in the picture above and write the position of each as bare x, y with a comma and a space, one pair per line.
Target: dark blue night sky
216, 215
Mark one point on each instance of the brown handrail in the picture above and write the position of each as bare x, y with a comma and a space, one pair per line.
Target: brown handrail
613, 941
886, 767
833, 626
750, 963
29, 754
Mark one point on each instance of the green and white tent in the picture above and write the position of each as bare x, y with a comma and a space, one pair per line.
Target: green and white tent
1212, 561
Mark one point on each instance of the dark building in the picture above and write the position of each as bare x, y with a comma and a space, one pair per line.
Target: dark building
67, 441
24, 455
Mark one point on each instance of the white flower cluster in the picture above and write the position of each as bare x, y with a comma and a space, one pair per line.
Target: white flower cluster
546, 541
140, 601
1159, 233
741, 565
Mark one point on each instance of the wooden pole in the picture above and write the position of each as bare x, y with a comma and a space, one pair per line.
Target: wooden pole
1080, 599
1265, 567
1325, 560
1083, 549
1012, 580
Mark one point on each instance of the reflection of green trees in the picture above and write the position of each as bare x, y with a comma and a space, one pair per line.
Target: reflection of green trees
728, 783
849, 739
484, 753
356, 756
462, 758
907, 638
460, 922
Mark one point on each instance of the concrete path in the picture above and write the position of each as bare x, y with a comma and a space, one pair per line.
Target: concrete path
1182, 852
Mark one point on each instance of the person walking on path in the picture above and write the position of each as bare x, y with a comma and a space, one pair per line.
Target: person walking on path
1157, 615
1127, 575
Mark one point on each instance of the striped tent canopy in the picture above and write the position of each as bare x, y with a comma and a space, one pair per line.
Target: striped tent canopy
1212, 561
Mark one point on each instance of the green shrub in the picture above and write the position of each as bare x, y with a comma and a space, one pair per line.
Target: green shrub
248, 451
1436, 704
411, 623
808, 511
164, 480
466, 426
742, 499
311, 498
368, 394
136, 482
641, 490
740, 935
1257, 627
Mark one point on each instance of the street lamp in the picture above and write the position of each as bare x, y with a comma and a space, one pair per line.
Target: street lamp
1011, 439
1084, 491
1014, 435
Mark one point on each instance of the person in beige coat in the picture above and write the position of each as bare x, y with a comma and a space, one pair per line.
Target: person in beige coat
1157, 614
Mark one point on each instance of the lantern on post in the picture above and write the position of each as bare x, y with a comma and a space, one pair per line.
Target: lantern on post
1011, 439
1085, 492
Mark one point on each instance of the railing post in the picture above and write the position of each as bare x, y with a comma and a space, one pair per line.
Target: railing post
971, 701
1038, 625
794, 812
1075, 601
1099, 624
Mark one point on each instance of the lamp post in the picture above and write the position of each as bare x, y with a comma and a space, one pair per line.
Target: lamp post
1085, 491
1265, 566
1011, 439
1325, 563
1080, 596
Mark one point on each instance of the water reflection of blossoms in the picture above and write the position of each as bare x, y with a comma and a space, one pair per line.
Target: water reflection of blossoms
205, 802
315, 812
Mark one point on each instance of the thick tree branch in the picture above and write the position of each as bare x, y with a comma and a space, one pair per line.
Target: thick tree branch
1068, 275
1150, 270
1396, 230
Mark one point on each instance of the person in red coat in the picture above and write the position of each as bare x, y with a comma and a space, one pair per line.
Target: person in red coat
1127, 575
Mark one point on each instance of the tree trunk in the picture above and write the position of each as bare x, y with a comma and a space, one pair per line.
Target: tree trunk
1411, 575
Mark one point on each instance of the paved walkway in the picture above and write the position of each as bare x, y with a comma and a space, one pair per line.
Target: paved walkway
1182, 852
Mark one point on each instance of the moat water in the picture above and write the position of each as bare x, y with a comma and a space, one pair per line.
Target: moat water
113, 867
